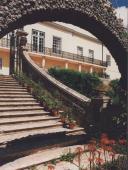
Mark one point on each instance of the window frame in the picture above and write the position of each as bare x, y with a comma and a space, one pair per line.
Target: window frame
38, 37
82, 51
90, 50
55, 50
108, 60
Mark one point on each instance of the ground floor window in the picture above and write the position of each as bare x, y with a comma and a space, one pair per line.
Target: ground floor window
0, 63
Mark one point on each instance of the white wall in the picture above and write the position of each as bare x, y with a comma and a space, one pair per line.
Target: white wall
70, 41
4, 71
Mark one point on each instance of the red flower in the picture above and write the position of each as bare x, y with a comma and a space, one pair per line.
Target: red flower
79, 150
105, 141
122, 141
112, 142
108, 148
51, 167
91, 159
99, 161
91, 147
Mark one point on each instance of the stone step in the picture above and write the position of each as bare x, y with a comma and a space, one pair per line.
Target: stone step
13, 89
18, 120
10, 87
28, 126
26, 113
17, 104
22, 134
6, 78
20, 108
17, 100
15, 96
13, 92
76, 131
9, 83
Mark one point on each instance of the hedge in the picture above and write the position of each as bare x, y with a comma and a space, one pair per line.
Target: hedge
84, 83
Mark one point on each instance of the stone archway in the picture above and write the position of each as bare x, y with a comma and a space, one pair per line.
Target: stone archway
96, 16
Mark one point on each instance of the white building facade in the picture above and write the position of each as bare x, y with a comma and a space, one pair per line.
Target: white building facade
69, 43
71, 39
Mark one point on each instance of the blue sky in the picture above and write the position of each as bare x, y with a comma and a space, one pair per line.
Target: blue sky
120, 3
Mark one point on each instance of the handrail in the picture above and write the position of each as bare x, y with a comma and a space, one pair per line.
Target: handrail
52, 82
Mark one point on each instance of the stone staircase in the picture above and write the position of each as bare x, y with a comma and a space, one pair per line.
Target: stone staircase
22, 117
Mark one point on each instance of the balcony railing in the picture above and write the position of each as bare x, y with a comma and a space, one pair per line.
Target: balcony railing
4, 42
67, 55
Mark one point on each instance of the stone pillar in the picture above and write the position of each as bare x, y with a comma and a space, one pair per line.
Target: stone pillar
80, 68
22, 35
66, 65
91, 69
43, 63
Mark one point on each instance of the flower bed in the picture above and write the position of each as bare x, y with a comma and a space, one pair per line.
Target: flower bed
99, 154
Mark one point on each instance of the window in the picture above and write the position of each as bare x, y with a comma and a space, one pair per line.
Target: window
38, 40
91, 54
108, 60
80, 51
56, 45
0, 63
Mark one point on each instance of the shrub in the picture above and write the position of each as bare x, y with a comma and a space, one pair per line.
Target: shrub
84, 83
119, 103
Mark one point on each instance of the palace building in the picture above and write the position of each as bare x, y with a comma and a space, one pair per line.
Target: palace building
55, 44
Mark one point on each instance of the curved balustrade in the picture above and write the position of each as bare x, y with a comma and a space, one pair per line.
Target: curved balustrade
39, 75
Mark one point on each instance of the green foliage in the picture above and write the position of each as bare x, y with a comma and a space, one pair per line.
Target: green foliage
67, 157
84, 83
119, 101
53, 161
120, 149
119, 164
114, 92
41, 94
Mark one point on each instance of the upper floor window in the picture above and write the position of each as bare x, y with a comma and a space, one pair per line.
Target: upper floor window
108, 60
38, 41
57, 45
80, 51
91, 54
0, 63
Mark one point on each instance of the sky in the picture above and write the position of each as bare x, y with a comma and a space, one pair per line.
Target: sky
119, 3
122, 10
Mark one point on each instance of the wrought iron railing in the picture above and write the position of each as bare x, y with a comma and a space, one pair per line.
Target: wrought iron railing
67, 55
4, 42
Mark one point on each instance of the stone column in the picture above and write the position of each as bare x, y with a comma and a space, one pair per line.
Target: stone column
21, 46
43, 63
91, 69
80, 68
66, 65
